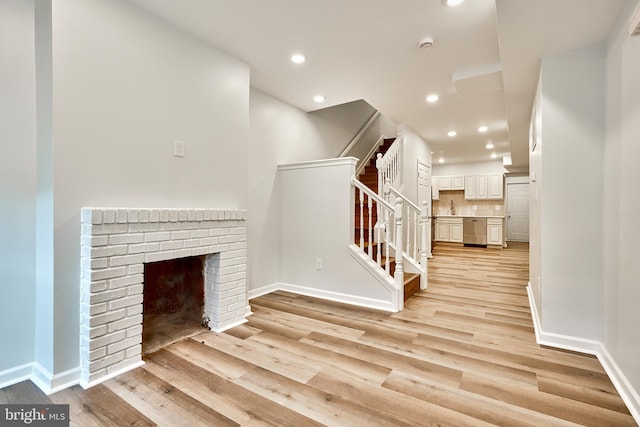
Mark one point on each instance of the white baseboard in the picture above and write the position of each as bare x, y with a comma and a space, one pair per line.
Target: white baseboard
89, 384
328, 295
15, 375
626, 391
51, 383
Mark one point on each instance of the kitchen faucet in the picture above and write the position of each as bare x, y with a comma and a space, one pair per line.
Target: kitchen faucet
453, 208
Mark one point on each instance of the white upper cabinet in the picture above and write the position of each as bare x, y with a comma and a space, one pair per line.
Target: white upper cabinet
457, 182
475, 187
444, 183
495, 186
435, 188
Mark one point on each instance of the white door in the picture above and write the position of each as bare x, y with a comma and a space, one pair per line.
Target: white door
518, 212
424, 193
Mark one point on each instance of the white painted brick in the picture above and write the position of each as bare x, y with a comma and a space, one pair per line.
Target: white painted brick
157, 236
174, 215
98, 286
121, 345
89, 240
121, 216
125, 239
109, 216
108, 273
238, 245
170, 226
189, 225
165, 215
154, 215
93, 264
106, 318
200, 251
134, 331
126, 260
228, 239
218, 248
106, 361
135, 289
126, 281
183, 215
97, 354
143, 215
135, 351
199, 214
171, 245
238, 230
183, 253
209, 241
96, 309
125, 302
159, 256
136, 269
96, 332
191, 243
107, 251
237, 276
143, 227
108, 228
125, 324
94, 375
85, 215
206, 215
183, 234
144, 248
197, 234
133, 215
221, 231
238, 292
116, 367
134, 310
104, 340
191, 215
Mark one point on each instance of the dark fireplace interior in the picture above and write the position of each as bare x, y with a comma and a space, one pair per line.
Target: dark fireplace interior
173, 301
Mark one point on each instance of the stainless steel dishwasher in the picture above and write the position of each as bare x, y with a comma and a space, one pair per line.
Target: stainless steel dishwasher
474, 231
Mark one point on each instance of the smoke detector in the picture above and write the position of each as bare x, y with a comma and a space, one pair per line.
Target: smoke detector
425, 43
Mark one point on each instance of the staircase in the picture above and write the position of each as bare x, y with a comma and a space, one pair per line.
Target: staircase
369, 177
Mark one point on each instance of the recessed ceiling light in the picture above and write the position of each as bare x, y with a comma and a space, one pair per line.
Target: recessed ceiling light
452, 133
489, 146
452, 3
483, 129
432, 98
494, 155
441, 160
319, 98
298, 58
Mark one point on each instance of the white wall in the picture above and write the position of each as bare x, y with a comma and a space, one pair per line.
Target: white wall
415, 148
17, 183
622, 202
125, 86
283, 134
572, 115
317, 211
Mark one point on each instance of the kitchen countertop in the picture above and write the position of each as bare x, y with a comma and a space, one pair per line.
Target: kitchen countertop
468, 216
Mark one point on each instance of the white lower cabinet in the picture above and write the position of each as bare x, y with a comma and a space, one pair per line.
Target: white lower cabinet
494, 231
449, 229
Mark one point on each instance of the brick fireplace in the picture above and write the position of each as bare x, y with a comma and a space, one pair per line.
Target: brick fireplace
117, 242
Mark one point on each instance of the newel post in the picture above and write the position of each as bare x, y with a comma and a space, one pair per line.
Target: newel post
425, 231
399, 273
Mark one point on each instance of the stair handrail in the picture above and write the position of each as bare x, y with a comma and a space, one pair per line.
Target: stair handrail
360, 133
390, 165
386, 238
365, 160
416, 220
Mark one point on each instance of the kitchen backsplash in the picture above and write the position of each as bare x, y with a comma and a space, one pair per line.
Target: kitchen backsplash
466, 207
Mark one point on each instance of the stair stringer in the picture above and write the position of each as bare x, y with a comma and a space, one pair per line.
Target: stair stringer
378, 273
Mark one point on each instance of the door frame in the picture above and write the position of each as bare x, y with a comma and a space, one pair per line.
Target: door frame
519, 179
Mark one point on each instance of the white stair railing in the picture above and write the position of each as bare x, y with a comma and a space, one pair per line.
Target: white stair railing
379, 217
416, 228
390, 165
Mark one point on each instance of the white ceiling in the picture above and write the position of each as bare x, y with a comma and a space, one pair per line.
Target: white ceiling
484, 62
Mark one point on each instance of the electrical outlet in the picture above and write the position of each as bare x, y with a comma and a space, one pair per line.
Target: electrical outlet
318, 263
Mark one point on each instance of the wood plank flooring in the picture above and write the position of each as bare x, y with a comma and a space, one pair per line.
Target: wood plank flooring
462, 353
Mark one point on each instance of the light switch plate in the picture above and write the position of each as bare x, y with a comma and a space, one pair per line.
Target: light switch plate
178, 148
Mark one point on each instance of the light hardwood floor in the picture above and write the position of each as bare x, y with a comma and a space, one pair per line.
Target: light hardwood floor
462, 353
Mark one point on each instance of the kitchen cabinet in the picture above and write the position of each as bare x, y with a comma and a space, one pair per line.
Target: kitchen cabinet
449, 229
435, 188
451, 182
495, 186
475, 187
494, 231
